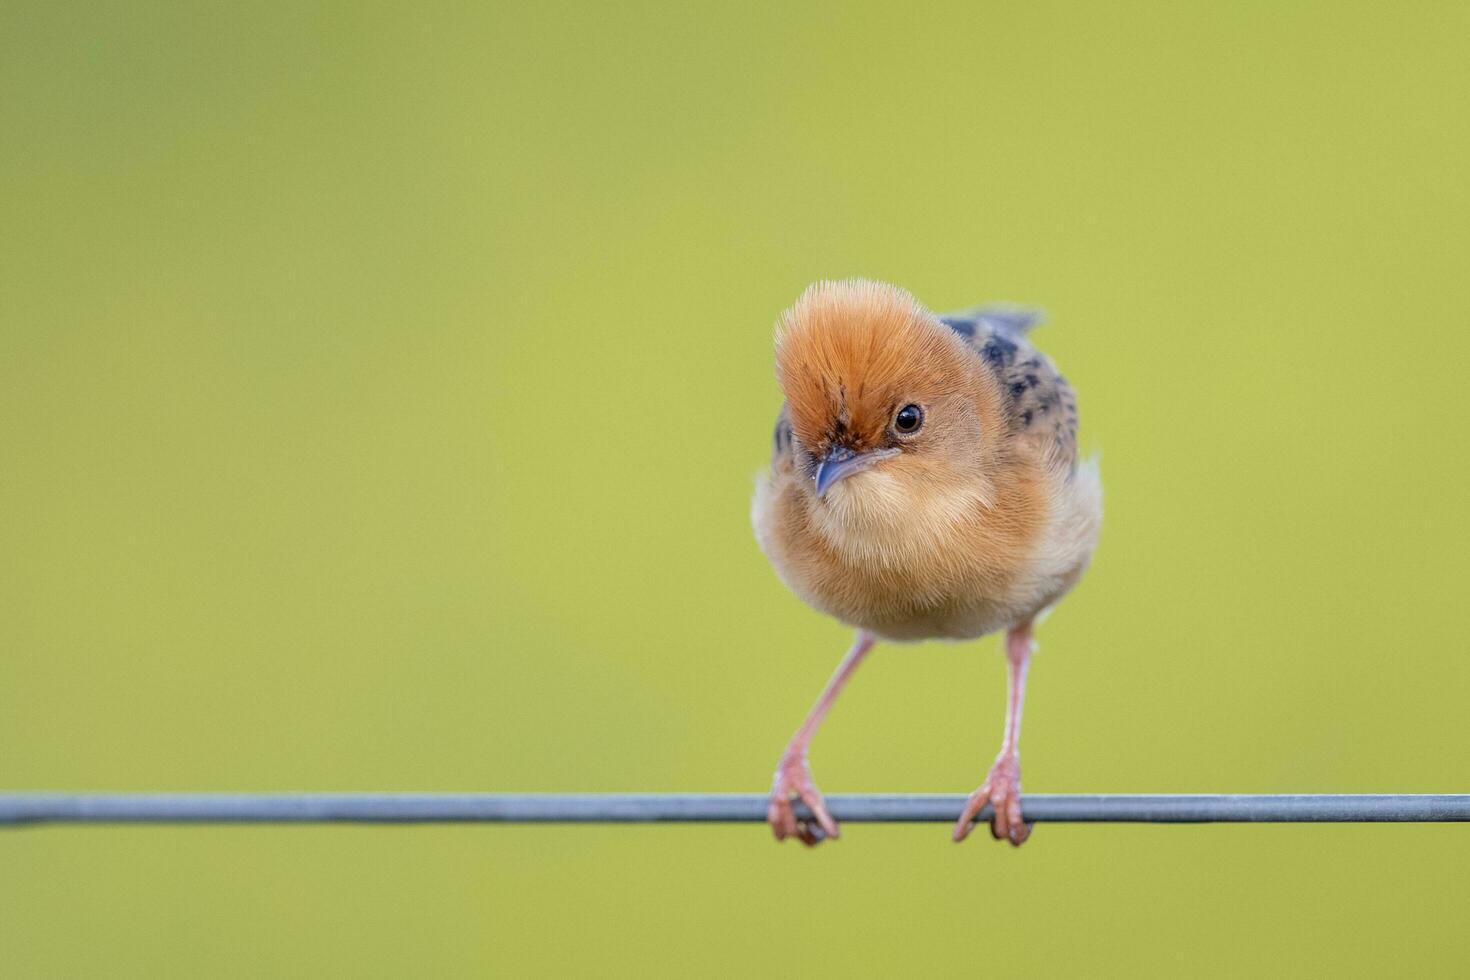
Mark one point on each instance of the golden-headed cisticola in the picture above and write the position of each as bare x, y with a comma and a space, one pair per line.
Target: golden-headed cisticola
925, 484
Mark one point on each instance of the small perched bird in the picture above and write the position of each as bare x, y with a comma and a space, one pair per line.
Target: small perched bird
925, 484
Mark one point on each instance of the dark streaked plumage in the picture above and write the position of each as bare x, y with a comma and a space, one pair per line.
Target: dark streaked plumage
1042, 403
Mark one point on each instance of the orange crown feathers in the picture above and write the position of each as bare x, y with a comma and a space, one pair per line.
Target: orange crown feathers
849, 353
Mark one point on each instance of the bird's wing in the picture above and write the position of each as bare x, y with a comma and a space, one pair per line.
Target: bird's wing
1043, 406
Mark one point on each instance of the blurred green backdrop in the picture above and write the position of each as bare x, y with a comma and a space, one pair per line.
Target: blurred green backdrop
381, 391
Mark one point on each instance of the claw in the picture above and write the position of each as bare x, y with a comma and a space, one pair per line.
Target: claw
973, 806
794, 781
781, 819
818, 806
1001, 791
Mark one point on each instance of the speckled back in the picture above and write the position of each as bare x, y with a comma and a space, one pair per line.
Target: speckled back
1041, 403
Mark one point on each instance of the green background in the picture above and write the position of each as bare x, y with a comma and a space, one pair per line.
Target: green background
381, 392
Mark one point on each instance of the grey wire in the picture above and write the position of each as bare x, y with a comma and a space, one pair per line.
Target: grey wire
35, 807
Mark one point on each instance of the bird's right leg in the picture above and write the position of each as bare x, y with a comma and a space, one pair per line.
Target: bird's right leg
1001, 790
794, 776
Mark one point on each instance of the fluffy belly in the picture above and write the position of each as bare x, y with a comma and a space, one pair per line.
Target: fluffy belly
959, 616
957, 624
949, 568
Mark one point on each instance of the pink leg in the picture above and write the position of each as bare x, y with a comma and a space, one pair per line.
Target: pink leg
1002, 787
793, 775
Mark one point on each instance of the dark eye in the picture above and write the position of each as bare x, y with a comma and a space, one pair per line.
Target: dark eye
908, 420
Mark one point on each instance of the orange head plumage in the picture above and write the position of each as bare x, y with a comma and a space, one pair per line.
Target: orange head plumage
874, 380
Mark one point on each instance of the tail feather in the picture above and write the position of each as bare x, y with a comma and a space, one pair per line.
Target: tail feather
1001, 318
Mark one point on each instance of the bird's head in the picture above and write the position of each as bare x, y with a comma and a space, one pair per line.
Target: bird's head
887, 405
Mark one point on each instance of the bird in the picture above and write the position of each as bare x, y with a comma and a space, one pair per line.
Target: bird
924, 484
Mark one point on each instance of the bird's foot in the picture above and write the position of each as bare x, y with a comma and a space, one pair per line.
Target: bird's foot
794, 782
1002, 791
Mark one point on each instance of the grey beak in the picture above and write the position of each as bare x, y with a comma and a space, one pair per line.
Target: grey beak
843, 462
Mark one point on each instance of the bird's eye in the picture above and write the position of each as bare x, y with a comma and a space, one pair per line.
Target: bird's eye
908, 420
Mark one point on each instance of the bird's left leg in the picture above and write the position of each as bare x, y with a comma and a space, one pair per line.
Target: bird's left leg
794, 777
1002, 787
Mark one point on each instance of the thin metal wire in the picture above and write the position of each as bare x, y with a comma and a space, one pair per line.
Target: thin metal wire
34, 808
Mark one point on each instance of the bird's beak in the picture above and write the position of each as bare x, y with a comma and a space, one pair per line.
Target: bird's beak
842, 462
